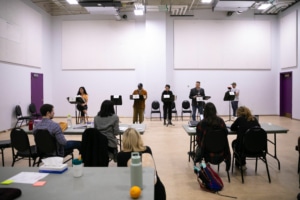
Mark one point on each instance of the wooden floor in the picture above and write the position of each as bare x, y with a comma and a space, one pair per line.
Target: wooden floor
171, 144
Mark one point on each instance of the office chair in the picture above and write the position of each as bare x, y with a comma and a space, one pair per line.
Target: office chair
254, 145
3, 145
215, 149
20, 117
94, 149
186, 108
21, 148
47, 146
155, 108
174, 111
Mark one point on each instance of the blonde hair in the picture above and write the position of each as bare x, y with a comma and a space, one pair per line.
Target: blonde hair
243, 111
132, 141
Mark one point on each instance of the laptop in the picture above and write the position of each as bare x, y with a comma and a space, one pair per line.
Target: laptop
193, 123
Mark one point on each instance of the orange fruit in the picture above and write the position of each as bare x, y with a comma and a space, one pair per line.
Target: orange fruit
135, 192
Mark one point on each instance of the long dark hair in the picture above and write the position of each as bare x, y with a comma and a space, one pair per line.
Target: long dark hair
84, 91
210, 114
107, 109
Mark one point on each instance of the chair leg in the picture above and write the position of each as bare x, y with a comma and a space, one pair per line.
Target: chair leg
232, 163
242, 174
267, 167
2, 153
256, 165
228, 176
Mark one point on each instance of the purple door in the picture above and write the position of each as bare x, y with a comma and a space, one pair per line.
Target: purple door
37, 92
286, 94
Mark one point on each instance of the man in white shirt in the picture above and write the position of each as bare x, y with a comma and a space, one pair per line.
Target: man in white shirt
235, 102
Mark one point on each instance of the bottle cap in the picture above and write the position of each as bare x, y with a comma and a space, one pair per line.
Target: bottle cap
135, 158
76, 162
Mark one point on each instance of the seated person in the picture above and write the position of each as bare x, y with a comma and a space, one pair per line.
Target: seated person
210, 121
47, 111
244, 121
107, 122
82, 107
132, 142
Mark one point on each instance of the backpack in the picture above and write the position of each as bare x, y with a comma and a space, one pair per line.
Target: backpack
208, 179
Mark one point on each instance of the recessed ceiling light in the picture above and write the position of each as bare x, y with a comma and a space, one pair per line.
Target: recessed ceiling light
72, 1
264, 6
206, 1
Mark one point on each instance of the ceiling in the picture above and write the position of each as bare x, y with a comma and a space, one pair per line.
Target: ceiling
174, 7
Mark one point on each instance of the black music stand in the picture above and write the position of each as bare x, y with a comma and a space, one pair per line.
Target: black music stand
76, 100
229, 96
136, 97
117, 100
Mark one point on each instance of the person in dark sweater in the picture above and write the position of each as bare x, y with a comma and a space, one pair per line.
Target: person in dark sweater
244, 121
167, 98
132, 142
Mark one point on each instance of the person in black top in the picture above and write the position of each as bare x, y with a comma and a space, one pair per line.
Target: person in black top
167, 98
132, 142
196, 94
244, 121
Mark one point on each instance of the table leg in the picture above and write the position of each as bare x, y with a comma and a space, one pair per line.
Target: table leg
275, 150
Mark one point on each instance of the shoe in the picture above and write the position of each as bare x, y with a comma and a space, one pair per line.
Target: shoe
244, 167
165, 122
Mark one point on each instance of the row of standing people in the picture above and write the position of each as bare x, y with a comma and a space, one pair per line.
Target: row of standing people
167, 98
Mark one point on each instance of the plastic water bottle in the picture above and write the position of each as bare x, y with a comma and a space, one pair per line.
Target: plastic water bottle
203, 164
136, 170
69, 121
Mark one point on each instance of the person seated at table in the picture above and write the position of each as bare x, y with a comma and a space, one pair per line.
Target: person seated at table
211, 121
132, 142
244, 121
47, 111
107, 122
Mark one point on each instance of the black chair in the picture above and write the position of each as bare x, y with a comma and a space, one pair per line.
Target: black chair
20, 117
94, 149
3, 145
216, 150
254, 145
186, 108
155, 108
174, 110
298, 150
21, 148
47, 146
33, 112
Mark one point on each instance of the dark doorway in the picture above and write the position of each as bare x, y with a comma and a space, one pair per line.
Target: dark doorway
286, 84
37, 91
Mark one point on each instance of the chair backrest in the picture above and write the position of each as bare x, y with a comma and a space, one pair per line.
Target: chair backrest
186, 105
19, 140
94, 148
18, 111
255, 142
173, 106
155, 105
216, 147
32, 108
45, 143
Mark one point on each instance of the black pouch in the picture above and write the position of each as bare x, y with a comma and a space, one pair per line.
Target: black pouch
9, 193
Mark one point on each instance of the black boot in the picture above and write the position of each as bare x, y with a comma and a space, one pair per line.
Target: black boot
164, 122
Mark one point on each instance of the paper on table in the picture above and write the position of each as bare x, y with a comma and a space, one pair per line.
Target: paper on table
28, 177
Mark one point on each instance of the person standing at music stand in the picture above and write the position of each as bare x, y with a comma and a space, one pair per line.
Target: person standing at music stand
235, 102
139, 104
167, 98
82, 106
197, 94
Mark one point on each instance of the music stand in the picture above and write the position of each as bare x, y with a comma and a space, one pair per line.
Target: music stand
229, 96
75, 100
136, 97
117, 100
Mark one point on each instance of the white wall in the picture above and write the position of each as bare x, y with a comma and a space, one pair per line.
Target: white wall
259, 88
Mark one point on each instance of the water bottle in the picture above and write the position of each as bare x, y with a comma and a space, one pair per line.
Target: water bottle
69, 121
203, 164
136, 170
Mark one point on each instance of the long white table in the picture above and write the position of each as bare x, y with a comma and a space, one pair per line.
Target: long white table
79, 129
111, 183
268, 127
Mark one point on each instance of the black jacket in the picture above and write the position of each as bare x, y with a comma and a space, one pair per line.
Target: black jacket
195, 92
